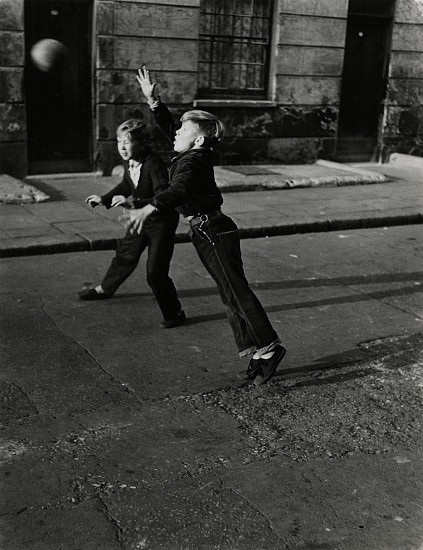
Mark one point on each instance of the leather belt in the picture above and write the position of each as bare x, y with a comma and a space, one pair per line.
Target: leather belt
201, 218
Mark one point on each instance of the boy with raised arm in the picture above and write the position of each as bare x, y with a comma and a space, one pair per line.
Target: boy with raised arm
194, 193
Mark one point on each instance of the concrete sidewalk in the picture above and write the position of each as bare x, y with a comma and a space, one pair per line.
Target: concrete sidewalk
47, 214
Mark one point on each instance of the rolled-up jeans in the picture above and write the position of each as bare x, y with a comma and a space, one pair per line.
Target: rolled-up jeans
216, 239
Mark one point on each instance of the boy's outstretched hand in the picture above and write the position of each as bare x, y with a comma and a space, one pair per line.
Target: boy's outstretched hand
133, 219
147, 86
93, 200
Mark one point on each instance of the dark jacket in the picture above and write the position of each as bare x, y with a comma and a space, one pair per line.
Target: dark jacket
193, 189
154, 179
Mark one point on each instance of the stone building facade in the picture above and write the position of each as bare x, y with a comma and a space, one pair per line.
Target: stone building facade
291, 79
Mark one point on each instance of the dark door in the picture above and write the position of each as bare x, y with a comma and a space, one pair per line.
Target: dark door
59, 102
363, 85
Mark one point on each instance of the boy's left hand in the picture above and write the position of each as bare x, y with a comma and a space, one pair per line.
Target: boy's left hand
134, 219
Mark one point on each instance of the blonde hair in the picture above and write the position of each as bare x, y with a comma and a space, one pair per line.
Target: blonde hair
134, 127
209, 125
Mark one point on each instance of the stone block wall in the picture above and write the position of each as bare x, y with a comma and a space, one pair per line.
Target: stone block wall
164, 36
403, 124
298, 122
308, 68
13, 153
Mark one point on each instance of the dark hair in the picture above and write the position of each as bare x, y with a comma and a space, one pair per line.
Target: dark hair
135, 128
209, 125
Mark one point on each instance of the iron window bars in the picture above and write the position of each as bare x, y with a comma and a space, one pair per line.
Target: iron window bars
234, 48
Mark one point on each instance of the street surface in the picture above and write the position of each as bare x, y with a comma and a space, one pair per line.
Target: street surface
120, 435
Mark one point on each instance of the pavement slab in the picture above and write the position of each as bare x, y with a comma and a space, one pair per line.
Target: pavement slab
32, 230
62, 211
14, 217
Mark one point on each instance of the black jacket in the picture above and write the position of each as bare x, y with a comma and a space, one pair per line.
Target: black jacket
193, 189
154, 179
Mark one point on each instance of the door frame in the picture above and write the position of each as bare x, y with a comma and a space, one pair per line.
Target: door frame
388, 21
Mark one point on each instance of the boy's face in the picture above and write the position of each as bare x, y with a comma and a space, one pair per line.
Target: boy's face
129, 148
185, 137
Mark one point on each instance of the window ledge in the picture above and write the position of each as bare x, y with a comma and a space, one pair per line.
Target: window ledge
234, 103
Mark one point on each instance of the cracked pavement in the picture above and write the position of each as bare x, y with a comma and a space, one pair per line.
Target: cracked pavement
119, 435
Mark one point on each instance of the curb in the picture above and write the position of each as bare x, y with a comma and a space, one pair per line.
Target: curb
245, 233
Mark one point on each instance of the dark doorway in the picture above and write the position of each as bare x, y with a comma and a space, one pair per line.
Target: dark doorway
363, 88
59, 102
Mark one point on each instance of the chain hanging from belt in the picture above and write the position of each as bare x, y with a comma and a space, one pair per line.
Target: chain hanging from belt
204, 218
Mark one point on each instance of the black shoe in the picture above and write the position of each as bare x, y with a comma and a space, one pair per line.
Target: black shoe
171, 323
253, 369
269, 366
92, 294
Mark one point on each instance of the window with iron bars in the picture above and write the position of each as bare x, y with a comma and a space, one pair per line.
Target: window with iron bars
234, 48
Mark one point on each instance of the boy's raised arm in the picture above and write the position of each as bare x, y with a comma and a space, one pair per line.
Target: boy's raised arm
147, 86
161, 112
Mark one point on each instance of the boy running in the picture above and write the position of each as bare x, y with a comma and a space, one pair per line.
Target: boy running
145, 175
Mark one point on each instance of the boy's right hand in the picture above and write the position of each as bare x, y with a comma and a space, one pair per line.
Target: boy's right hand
120, 200
147, 86
93, 200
